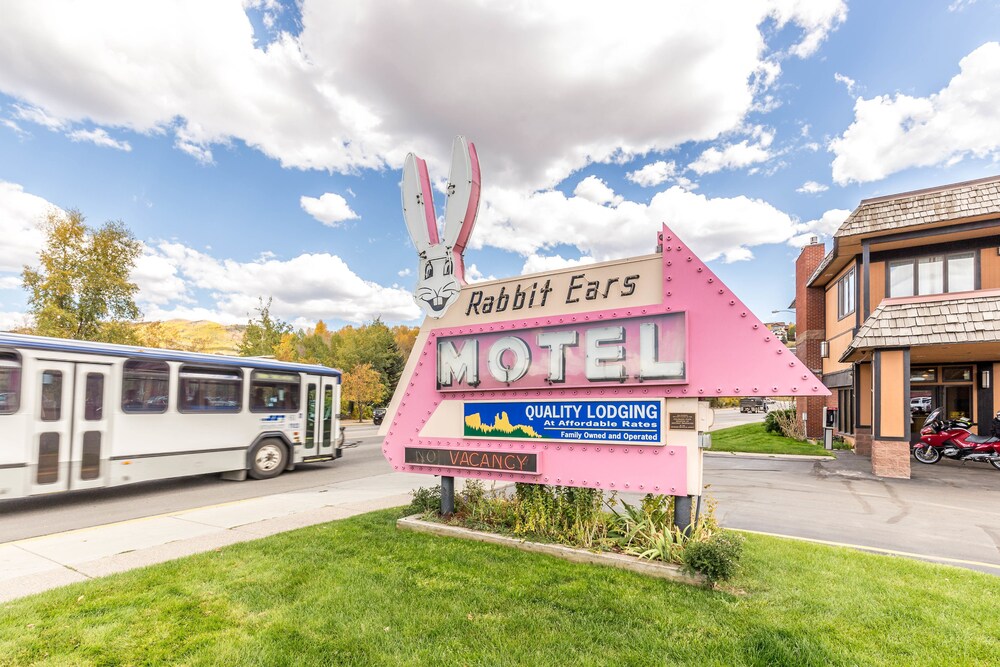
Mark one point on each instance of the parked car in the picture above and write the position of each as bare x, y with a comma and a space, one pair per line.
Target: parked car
920, 404
378, 414
753, 404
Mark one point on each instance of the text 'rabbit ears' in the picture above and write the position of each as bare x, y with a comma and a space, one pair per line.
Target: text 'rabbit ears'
462, 199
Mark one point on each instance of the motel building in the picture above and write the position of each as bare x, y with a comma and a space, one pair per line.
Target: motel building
902, 316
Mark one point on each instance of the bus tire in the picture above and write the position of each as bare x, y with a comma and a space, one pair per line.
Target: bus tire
268, 459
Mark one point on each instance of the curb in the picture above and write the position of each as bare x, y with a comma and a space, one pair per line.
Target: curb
761, 455
574, 555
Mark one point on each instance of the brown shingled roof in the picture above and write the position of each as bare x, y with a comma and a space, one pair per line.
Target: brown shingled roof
908, 209
971, 317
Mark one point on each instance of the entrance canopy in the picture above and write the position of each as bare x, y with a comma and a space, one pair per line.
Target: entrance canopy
944, 328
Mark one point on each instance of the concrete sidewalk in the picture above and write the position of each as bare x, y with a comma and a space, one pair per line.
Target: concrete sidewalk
40, 563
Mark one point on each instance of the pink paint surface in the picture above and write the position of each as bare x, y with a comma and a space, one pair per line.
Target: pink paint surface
729, 353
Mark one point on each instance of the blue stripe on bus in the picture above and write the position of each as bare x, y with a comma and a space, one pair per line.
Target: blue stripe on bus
87, 347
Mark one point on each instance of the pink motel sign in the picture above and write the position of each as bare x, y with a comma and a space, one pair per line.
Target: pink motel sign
594, 376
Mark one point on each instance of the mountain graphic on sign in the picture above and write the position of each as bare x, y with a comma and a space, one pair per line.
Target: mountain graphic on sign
501, 425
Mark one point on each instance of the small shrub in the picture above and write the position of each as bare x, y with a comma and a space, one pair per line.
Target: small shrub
771, 421
786, 423
426, 500
565, 514
840, 443
717, 558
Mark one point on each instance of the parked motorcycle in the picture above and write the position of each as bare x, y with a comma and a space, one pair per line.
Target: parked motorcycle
951, 438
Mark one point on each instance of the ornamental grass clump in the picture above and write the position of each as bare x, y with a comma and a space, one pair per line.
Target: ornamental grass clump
577, 517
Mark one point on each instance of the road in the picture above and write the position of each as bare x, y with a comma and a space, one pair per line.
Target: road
44, 515
949, 512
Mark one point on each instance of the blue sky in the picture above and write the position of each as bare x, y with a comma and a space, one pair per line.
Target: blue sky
255, 147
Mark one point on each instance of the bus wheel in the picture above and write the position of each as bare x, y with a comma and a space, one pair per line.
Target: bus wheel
267, 459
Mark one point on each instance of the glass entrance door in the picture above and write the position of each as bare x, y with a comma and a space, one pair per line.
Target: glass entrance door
923, 400
958, 402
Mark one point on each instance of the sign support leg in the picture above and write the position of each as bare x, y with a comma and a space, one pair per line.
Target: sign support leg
447, 496
682, 513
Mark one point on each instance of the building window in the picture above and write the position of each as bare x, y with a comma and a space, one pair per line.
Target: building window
845, 411
923, 374
145, 386
846, 291
275, 392
209, 389
10, 383
935, 274
956, 374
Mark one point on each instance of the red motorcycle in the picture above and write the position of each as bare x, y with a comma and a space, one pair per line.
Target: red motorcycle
951, 438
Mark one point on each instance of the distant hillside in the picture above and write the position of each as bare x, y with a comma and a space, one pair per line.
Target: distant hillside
197, 336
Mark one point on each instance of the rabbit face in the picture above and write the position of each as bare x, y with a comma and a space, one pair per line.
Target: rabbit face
437, 282
442, 271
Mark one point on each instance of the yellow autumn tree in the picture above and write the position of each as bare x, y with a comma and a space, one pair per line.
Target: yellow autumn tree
362, 387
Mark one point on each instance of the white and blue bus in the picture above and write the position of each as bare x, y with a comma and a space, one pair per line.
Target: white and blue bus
79, 415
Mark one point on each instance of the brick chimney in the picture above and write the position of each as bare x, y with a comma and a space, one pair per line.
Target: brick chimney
810, 331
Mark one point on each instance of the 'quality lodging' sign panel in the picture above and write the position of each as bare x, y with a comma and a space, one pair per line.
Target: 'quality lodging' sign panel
593, 376
571, 421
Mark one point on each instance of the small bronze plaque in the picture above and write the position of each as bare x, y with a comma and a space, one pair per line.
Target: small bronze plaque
473, 460
683, 421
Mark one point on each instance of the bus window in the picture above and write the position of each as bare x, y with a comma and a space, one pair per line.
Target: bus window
145, 386
210, 389
10, 383
311, 416
327, 415
51, 396
275, 392
93, 406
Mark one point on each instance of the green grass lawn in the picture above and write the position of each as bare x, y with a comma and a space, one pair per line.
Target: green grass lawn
359, 592
753, 438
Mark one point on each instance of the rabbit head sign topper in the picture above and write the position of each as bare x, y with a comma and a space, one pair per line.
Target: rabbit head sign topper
442, 266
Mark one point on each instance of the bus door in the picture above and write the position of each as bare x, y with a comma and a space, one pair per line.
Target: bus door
328, 404
52, 420
90, 426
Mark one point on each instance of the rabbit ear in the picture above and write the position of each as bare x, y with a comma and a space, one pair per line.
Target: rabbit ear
418, 204
463, 195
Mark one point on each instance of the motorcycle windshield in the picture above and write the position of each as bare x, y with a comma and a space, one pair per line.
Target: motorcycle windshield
933, 416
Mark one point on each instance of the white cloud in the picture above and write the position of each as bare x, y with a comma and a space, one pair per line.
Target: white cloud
714, 227
812, 187
340, 96
825, 226
329, 208
596, 190
12, 320
20, 215
733, 156
846, 80
10, 282
14, 127
653, 173
817, 17
890, 134
405, 272
541, 263
99, 137
201, 153
38, 116
474, 275
314, 286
